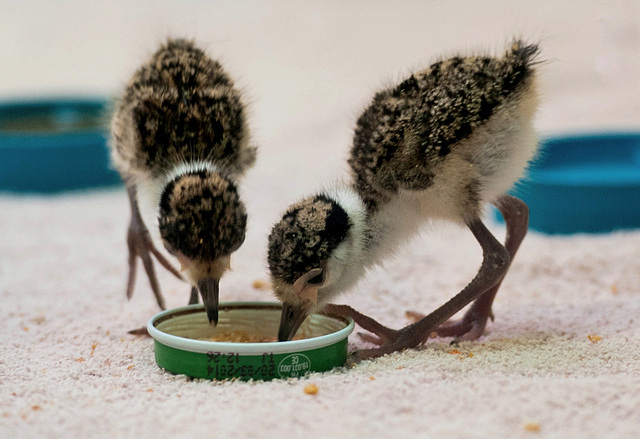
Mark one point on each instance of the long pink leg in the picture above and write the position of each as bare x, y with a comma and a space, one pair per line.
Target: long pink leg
494, 265
140, 245
482, 289
472, 325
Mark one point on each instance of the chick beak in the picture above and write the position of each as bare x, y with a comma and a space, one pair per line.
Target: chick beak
209, 288
291, 319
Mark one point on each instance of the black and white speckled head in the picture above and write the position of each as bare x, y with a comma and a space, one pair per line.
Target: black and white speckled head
202, 221
201, 216
305, 237
310, 250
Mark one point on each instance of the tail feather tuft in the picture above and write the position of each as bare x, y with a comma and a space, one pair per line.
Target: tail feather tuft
523, 54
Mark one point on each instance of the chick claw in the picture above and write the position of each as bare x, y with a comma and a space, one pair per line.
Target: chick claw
468, 328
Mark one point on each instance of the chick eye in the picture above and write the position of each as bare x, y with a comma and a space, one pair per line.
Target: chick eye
317, 280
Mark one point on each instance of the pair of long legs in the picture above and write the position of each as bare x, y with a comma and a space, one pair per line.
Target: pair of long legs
481, 291
140, 246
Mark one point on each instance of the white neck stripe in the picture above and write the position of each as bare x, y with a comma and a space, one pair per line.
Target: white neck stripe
188, 168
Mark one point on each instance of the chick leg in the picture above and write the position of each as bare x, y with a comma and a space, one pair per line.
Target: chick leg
140, 245
516, 217
383, 334
494, 266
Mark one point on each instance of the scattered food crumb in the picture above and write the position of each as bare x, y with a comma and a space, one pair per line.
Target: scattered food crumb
149, 389
434, 334
240, 336
25, 328
594, 338
36, 407
310, 389
399, 367
93, 348
532, 427
614, 289
131, 366
372, 378
413, 316
461, 354
38, 320
80, 360
260, 284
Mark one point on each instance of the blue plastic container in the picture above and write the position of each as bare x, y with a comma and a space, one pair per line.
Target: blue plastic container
584, 184
54, 145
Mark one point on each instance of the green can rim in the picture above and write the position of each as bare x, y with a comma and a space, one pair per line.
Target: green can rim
202, 346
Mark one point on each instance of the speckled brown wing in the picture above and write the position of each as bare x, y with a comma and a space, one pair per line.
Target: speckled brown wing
181, 106
409, 128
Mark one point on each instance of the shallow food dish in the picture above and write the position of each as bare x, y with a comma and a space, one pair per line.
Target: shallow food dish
584, 183
182, 343
53, 145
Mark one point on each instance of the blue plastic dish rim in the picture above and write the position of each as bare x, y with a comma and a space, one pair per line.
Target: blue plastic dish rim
531, 179
8, 139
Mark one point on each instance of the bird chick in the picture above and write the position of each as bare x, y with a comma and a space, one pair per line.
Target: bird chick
180, 142
440, 145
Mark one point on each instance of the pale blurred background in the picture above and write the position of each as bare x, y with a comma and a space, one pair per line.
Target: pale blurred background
309, 68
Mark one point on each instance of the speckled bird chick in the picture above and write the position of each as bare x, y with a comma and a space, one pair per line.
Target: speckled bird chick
180, 142
437, 146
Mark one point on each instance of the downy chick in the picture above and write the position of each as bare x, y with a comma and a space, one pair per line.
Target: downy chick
438, 146
181, 143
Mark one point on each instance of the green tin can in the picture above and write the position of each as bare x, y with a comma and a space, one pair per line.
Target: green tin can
185, 342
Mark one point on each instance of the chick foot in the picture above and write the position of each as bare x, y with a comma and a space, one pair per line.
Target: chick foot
468, 328
383, 334
140, 246
389, 340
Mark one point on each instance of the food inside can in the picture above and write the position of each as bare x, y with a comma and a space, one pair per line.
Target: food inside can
243, 324
240, 336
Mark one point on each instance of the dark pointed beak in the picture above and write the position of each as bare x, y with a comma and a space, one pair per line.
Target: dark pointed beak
209, 290
291, 319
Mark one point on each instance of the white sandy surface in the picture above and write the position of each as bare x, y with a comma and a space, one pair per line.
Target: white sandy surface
561, 360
